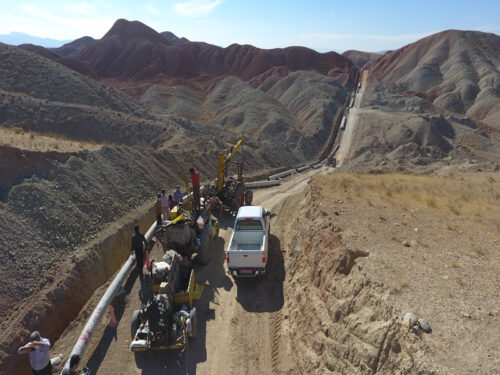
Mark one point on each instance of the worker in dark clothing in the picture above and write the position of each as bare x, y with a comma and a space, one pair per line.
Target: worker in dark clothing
195, 181
158, 210
139, 243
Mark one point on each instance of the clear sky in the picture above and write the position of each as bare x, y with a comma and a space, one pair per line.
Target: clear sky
324, 25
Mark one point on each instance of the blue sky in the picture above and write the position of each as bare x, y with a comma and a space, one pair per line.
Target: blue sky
322, 25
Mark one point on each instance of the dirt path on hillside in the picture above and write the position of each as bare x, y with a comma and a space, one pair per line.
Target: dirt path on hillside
351, 124
240, 323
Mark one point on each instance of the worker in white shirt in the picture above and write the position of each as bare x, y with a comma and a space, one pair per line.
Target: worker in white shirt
38, 349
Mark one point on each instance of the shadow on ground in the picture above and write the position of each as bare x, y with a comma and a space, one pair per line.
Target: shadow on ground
110, 333
264, 293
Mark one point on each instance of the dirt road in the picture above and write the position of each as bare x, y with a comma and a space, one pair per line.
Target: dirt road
239, 321
352, 123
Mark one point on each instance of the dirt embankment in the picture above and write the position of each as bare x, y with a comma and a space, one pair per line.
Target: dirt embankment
433, 242
339, 320
54, 305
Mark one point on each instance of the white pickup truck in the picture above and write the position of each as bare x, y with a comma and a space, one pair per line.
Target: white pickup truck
247, 252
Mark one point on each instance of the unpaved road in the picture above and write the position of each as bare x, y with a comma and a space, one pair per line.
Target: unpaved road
239, 323
351, 124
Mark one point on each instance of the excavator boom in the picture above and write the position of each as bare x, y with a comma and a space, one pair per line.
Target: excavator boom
224, 158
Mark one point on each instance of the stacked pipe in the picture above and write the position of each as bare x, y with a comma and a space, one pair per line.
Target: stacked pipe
282, 174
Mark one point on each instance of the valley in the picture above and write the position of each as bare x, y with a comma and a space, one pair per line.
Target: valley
407, 220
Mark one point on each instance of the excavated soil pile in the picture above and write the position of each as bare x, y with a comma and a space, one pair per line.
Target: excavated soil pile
339, 319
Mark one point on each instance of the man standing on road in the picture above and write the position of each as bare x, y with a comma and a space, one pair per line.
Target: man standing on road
139, 243
164, 205
158, 210
177, 194
38, 349
195, 181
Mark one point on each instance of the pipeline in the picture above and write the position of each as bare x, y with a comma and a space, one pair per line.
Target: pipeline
261, 184
98, 313
301, 169
320, 164
282, 174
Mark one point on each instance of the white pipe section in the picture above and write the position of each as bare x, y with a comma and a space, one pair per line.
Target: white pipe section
100, 310
259, 184
282, 174
300, 169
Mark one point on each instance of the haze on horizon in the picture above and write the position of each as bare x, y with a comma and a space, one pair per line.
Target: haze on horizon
323, 25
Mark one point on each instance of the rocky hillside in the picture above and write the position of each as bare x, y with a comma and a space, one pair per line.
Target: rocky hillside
455, 71
73, 48
434, 99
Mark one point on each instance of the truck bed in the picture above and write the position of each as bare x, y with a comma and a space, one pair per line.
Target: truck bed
248, 240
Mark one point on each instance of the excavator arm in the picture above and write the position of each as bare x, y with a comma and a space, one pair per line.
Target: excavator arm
224, 158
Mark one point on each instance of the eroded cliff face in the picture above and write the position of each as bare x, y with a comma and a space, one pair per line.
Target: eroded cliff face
339, 319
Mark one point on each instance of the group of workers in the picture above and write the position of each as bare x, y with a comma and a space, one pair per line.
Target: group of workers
38, 347
164, 203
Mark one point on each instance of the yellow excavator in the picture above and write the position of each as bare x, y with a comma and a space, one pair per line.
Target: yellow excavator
231, 191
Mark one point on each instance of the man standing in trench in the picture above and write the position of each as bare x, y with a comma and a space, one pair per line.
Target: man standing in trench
195, 180
139, 243
38, 349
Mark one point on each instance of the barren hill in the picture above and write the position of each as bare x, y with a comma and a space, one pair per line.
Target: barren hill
361, 59
456, 71
174, 39
73, 48
433, 99
132, 50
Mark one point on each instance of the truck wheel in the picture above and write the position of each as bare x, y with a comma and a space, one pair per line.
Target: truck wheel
194, 322
134, 325
248, 197
141, 358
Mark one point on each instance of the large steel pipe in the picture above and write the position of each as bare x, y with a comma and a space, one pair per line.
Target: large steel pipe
282, 174
261, 184
100, 310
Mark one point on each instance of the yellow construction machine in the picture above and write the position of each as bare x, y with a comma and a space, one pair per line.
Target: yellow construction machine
230, 190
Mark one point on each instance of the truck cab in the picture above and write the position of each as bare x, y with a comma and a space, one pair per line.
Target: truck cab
248, 248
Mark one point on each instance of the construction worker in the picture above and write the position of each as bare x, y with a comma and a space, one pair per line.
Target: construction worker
158, 209
139, 243
171, 202
38, 349
74, 361
164, 205
195, 181
177, 194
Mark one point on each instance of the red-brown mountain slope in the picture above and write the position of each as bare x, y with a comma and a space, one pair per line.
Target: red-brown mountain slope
457, 71
132, 50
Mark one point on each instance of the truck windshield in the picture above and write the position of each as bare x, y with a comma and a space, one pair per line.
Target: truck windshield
248, 225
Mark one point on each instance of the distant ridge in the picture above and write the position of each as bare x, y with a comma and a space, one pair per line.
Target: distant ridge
174, 39
16, 38
132, 50
73, 48
360, 58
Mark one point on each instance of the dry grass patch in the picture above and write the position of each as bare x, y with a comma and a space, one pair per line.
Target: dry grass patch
32, 141
471, 196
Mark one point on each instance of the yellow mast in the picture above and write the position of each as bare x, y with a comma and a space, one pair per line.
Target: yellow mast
224, 158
